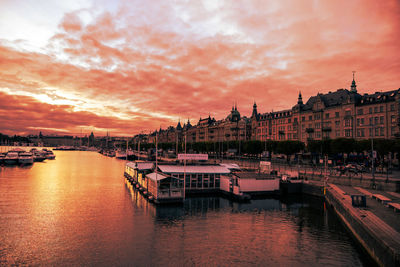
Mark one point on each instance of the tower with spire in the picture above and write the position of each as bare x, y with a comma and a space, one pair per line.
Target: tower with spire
300, 99
353, 85
255, 113
179, 126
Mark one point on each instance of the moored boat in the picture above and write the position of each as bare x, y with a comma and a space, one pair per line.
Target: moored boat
49, 154
120, 154
156, 186
25, 158
11, 158
39, 156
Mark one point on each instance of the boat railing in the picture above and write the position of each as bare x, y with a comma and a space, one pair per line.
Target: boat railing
173, 192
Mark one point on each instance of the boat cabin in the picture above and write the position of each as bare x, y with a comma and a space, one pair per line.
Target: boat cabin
163, 188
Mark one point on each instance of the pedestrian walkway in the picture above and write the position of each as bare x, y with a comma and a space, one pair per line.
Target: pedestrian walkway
376, 207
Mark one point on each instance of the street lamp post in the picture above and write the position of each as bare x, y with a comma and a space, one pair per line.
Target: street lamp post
373, 156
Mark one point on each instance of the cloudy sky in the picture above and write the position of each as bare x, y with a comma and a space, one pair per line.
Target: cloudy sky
133, 66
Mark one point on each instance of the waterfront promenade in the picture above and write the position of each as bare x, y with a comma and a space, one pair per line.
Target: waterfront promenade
375, 226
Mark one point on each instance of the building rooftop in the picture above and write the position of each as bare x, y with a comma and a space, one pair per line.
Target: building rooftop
216, 169
156, 176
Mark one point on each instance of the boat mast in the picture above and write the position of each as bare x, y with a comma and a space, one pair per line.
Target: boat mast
184, 173
156, 154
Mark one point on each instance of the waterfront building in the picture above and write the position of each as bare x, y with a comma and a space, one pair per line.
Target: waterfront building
340, 114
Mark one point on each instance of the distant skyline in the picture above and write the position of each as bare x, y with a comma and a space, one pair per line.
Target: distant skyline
132, 66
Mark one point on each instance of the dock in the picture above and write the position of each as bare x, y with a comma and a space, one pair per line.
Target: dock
376, 226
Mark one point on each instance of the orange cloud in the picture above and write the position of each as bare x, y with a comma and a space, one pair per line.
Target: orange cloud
147, 66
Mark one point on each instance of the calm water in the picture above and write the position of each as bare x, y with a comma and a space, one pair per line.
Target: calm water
78, 210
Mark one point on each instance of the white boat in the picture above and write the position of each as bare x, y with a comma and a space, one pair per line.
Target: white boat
25, 158
120, 154
11, 158
39, 156
49, 154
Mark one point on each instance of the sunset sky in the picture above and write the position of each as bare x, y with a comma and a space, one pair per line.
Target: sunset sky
132, 66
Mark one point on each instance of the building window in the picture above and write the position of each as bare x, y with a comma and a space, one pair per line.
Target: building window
376, 120
382, 130
337, 133
371, 131
393, 130
370, 110
327, 116
393, 119
362, 133
303, 118
362, 121
375, 109
310, 118
381, 108
381, 119
347, 133
371, 121
347, 123
318, 134
392, 107
358, 122
336, 114
360, 111
337, 123
376, 131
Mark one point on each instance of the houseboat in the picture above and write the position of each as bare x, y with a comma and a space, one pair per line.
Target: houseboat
162, 188
244, 184
199, 178
157, 186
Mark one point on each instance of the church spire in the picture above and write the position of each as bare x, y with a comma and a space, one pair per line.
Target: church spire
353, 85
300, 99
255, 113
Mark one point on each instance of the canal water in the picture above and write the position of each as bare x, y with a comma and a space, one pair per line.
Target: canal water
78, 210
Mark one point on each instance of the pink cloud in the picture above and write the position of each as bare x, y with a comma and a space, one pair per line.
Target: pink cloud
164, 65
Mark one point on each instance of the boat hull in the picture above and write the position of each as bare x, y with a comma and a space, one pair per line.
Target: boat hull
39, 159
11, 161
26, 161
